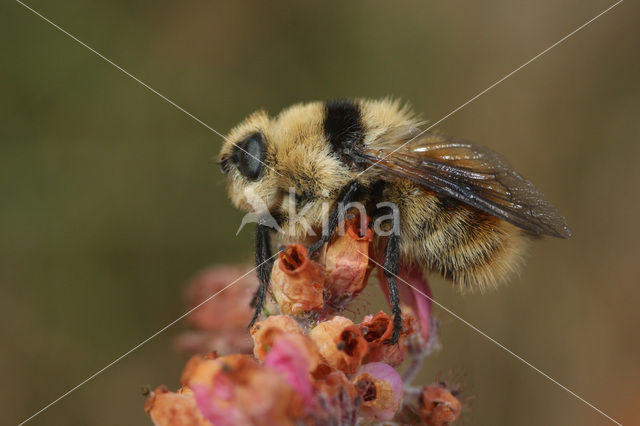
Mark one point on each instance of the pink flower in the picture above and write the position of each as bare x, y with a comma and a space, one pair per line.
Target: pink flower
381, 389
236, 389
289, 358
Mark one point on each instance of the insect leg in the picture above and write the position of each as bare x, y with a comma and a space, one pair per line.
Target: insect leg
346, 196
391, 260
263, 254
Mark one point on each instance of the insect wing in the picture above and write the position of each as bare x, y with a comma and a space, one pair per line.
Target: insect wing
467, 172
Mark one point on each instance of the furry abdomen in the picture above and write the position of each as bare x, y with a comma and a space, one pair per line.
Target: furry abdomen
472, 248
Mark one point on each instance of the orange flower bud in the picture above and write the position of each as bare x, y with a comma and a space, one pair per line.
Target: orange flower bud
265, 332
347, 262
297, 281
438, 406
376, 329
174, 409
192, 365
340, 343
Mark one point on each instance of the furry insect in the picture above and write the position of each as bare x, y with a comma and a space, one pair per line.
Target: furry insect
464, 212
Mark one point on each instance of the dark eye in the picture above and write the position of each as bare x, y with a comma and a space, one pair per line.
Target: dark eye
248, 156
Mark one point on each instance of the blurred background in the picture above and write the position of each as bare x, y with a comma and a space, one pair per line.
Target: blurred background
108, 203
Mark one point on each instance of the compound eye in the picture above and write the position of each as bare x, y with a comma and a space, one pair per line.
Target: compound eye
249, 156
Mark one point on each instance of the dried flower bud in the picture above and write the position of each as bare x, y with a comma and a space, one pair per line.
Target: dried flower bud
380, 387
235, 389
337, 398
297, 281
376, 329
174, 409
265, 332
438, 406
332, 382
340, 343
347, 262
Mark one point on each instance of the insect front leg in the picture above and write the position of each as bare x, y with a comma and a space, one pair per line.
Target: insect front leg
391, 261
346, 196
263, 266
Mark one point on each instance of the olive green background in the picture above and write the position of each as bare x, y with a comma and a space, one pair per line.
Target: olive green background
109, 205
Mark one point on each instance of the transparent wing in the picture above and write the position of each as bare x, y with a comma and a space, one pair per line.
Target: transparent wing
468, 172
